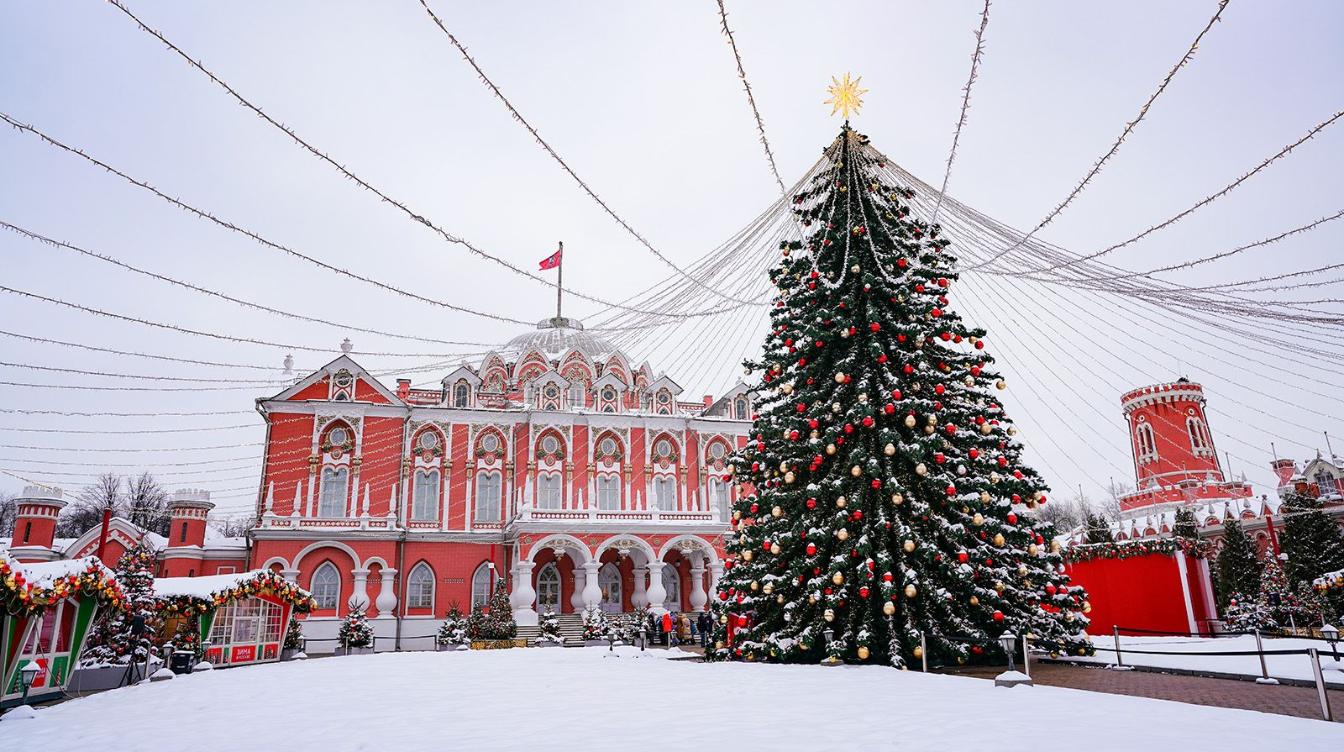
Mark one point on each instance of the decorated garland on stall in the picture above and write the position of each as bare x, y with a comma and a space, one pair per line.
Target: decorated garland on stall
20, 596
1127, 549
1329, 581
263, 582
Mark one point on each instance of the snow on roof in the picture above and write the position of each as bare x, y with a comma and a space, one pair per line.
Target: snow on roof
1330, 580
202, 587
45, 574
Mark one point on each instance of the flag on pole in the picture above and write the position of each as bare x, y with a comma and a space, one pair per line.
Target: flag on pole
551, 261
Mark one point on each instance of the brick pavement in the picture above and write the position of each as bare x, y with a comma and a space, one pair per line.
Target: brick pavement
1224, 693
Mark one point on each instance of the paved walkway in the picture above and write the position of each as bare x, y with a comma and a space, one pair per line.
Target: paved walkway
1301, 702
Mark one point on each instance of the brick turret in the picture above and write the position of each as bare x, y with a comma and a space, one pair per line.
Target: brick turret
186, 532
35, 526
1170, 434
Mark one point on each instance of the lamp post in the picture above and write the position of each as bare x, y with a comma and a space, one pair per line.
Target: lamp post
28, 674
1331, 635
1010, 678
829, 660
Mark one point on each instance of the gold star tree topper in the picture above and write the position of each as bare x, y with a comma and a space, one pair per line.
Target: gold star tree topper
845, 95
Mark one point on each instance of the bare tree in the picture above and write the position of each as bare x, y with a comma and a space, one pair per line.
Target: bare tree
86, 512
234, 527
9, 512
147, 504
1109, 507
1064, 514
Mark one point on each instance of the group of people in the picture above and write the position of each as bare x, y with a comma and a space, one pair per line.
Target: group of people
672, 629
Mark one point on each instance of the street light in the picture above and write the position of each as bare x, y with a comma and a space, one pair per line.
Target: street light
28, 674
1008, 641
829, 660
1331, 636
1010, 678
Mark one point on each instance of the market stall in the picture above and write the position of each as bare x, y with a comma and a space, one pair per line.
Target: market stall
230, 619
46, 610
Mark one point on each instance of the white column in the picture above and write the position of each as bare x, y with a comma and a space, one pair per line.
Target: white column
524, 596
656, 592
359, 597
698, 596
592, 594
387, 595
715, 572
576, 600
640, 597
290, 575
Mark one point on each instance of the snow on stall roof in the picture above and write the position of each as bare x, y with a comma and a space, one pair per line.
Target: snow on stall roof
45, 573
201, 587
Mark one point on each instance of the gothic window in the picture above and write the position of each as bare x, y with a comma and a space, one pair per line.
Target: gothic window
1147, 443
549, 445
672, 584
608, 492
488, 487
420, 587
1200, 442
481, 584
548, 491
333, 492
326, 586
576, 395
425, 504
718, 496
1325, 482
717, 452
462, 394
342, 386
741, 409
665, 493
664, 402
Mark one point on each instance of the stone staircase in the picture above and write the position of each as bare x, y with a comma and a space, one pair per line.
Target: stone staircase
571, 631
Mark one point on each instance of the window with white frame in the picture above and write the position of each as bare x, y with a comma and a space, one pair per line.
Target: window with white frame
665, 493
718, 496
608, 492
420, 587
462, 394
1147, 443
1200, 442
488, 487
576, 392
1325, 482
425, 503
333, 492
741, 409
481, 584
548, 491
326, 586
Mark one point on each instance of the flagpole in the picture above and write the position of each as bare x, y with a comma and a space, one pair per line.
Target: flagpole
559, 278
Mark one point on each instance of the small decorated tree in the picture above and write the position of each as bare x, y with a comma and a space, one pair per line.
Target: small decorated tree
356, 632
1097, 530
499, 624
121, 637
1184, 526
1238, 567
549, 627
476, 622
293, 634
454, 629
1280, 604
595, 625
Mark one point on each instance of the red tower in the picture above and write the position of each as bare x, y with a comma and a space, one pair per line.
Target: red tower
186, 533
1170, 434
35, 527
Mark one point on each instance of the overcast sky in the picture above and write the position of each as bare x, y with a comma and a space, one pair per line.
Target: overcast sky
643, 101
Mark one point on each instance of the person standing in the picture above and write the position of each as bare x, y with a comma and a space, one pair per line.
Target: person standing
667, 628
705, 623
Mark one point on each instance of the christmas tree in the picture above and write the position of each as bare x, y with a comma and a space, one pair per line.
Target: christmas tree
1184, 526
1238, 567
884, 491
453, 631
121, 637
1279, 604
293, 634
549, 627
1096, 529
355, 631
1313, 542
595, 625
496, 621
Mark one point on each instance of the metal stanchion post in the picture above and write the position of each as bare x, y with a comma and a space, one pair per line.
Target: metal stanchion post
1115, 632
1026, 655
1320, 684
923, 652
1264, 670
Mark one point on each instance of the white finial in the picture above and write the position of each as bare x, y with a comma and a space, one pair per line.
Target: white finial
346, 345
289, 365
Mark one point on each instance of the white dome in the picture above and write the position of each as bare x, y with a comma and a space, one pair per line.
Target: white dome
554, 336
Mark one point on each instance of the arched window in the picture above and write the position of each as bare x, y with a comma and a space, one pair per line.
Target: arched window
742, 413
420, 587
718, 497
425, 505
672, 584
665, 493
576, 392
334, 489
462, 395
609, 582
488, 487
548, 589
481, 584
326, 586
1199, 436
548, 491
1147, 444
608, 492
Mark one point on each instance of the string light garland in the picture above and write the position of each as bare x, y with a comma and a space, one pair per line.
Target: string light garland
751, 98
965, 105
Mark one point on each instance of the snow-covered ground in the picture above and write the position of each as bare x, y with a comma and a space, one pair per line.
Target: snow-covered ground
1280, 666
582, 699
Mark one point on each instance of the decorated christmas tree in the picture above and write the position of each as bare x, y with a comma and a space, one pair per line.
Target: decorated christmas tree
1279, 604
1238, 566
1184, 526
355, 631
595, 625
453, 631
1311, 539
1096, 529
884, 491
121, 637
293, 634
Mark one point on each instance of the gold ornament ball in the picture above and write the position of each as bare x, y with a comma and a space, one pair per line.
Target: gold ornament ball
932, 420
888, 608
918, 652
746, 555
737, 515
786, 388
838, 578
1000, 384
1087, 607
788, 477
718, 644
842, 534
909, 421
928, 430
776, 511
921, 469
863, 653
835, 407
985, 428
984, 497
909, 546
863, 398
1021, 570
755, 586
998, 540
999, 587
783, 466
828, 615
1032, 550
978, 519
779, 598
774, 549
975, 600
840, 378
889, 449
969, 381
840, 502
897, 498
856, 471
723, 619
768, 588
1054, 546
911, 591
830, 449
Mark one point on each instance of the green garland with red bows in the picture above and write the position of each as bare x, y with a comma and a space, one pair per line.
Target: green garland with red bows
261, 583
1126, 549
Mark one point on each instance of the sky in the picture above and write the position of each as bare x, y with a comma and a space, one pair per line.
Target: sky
643, 101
